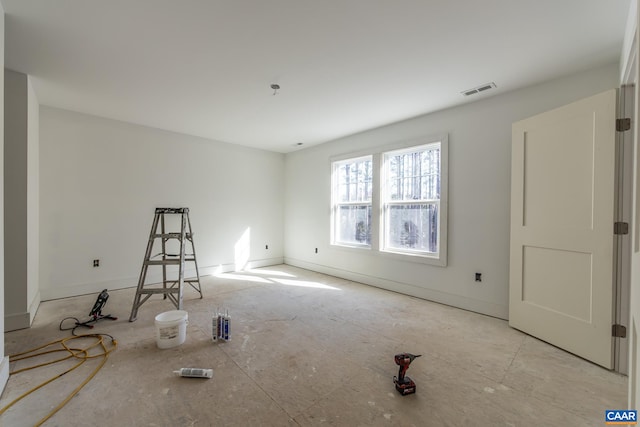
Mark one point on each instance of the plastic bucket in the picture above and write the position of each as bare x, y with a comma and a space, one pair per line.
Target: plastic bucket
171, 328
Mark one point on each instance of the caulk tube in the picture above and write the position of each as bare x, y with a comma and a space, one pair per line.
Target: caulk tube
227, 326
194, 373
214, 327
219, 324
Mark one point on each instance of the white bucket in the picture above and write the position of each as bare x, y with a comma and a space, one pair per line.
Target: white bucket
171, 328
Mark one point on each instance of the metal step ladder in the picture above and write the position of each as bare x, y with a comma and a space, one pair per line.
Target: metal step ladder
169, 288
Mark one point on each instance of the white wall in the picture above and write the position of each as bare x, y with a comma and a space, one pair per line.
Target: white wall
22, 296
100, 181
479, 203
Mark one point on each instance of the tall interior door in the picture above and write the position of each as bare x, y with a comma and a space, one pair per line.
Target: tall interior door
562, 227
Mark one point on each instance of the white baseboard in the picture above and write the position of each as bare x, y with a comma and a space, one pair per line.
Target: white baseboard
87, 288
4, 373
15, 321
47, 294
264, 262
33, 307
458, 301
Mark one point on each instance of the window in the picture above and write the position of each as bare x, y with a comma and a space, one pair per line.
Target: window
352, 190
393, 201
411, 200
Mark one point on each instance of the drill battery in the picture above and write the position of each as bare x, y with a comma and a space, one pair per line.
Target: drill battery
406, 386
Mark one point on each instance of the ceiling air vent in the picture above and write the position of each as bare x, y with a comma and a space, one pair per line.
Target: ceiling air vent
479, 89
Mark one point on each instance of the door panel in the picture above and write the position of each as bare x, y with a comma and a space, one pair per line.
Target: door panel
562, 207
552, 280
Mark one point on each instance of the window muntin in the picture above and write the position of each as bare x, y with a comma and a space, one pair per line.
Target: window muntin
352, 195
411, 200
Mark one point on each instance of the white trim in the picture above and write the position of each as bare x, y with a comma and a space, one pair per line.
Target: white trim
629, 72
336, 204
33, 308
392, 146
377, 153
4, 370
628, 52
15, 321
458, 301
131, 282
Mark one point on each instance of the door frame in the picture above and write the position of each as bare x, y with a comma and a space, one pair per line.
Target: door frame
623, 213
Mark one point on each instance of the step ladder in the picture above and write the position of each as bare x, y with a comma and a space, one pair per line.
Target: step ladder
169, 288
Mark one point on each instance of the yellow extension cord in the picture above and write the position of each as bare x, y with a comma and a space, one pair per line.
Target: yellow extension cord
81, 354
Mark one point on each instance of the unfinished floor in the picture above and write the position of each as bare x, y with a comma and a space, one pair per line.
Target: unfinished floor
310, 349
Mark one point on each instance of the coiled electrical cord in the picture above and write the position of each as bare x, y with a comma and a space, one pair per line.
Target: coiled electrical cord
65, 345
76, 325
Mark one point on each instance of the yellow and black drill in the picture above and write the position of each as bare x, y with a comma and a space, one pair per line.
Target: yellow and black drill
404, 384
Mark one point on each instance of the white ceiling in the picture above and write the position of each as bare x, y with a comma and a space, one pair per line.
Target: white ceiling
204, 67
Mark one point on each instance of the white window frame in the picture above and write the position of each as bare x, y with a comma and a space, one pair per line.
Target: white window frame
377, 215
387, 203
337, 204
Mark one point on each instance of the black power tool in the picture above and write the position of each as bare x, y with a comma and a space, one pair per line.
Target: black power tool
96, 311
95, 315
404, 384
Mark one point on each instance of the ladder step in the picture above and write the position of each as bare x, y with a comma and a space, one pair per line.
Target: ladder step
172, 210
159, 291
163, 262
186, 256
171, 235
167, 261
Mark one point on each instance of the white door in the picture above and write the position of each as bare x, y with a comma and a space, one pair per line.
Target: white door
562, 215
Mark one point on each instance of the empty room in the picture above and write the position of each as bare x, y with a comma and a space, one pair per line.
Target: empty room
296, 212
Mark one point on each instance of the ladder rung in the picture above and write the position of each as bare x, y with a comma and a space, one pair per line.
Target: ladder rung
163, 262
172, 284
167, 261
172, 235
171, 210
159, 290
175, 256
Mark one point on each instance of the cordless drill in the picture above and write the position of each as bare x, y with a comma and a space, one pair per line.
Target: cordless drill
404, 384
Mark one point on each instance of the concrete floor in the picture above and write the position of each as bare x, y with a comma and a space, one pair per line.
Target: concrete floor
310, 349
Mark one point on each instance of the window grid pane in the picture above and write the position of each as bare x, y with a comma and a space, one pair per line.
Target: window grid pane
414, 175
355, 180
354, 225
413, 227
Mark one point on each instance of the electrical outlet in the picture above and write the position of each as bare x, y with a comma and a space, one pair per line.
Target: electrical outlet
96, 263
316, 250
266, 246
478, 277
